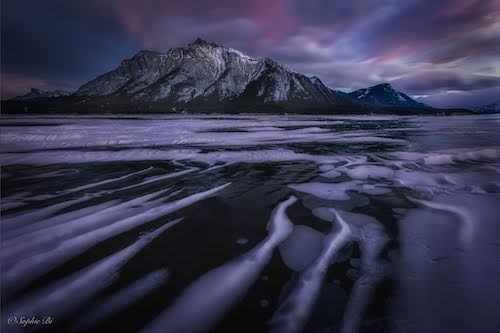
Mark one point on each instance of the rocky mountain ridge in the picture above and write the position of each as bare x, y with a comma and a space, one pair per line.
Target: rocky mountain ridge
35, 94
207, 77
207, 73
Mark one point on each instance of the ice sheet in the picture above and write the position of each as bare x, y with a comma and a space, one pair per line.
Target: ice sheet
120, 300
294, 311
210, 297
65, 296
26, 270
397, 168
338, 191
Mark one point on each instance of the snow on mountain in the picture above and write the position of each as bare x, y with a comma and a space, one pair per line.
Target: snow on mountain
385, 95
39, 94
204, 73
489, 108
205, 76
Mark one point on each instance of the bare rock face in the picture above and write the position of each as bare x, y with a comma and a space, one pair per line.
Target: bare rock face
208, 73
132, 75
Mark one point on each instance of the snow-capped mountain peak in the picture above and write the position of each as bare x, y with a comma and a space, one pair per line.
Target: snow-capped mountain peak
204, 76
385, 95
200, 42
207, 73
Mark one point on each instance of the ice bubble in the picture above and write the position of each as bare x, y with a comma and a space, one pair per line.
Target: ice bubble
241, 241
302, 247
264, 303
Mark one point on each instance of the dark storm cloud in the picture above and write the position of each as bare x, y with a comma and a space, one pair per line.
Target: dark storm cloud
57, 42
413, 26
441, 45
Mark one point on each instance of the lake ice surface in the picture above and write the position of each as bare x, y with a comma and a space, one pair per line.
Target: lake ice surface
252, 223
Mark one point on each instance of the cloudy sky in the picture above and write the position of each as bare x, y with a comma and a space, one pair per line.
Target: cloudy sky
446, 52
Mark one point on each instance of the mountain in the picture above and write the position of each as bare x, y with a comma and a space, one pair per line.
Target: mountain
207, 77
489, 108
40, 95
206, 74
384, 95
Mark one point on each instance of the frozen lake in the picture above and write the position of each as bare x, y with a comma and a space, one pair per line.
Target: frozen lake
251, 223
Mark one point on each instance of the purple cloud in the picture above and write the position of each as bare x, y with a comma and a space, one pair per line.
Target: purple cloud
414, 26
422, 46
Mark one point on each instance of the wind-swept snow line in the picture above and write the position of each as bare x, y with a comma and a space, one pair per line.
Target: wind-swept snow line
14, 221
205, 302
55, 220
372, 240
120, 300
215, 167
104, 182
80, 188
154, 179
466, 233
27, 270
51, 174
39, 240
66, 295
293, 313
14, 201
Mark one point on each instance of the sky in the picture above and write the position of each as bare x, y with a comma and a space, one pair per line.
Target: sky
445, 53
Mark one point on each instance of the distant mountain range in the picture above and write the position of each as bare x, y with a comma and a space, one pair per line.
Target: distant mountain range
207, 77
36, 94
489, 108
